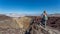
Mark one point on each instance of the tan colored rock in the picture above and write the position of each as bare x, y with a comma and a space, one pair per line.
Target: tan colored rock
23, 22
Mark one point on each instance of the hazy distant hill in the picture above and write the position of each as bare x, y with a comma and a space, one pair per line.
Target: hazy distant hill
4, 17
15, 15
21, 15
54, 15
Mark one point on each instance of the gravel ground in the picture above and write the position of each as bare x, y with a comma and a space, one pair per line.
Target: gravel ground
11, 31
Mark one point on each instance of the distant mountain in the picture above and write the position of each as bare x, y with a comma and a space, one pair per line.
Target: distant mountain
21, 15
54, 15
4, 17
15, 15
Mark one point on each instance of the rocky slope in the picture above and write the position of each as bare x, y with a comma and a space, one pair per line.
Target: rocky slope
53, 21
9, 25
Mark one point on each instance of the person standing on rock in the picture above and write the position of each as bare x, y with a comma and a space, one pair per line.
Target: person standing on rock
44, 18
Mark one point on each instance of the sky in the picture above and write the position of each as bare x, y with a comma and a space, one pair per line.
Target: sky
29, 6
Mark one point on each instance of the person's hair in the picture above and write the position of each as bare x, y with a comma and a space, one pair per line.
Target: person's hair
44, 11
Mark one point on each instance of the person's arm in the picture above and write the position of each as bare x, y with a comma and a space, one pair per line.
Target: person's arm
41, 15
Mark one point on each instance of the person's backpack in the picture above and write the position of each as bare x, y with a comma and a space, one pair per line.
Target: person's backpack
45, 17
